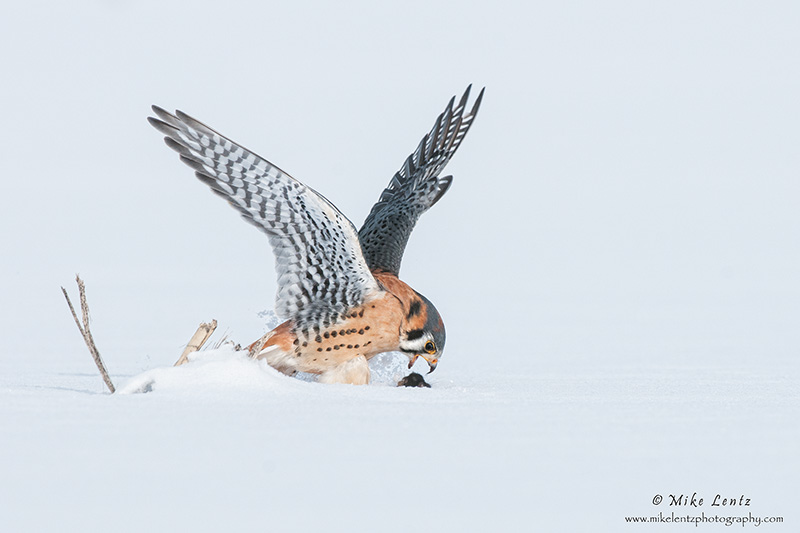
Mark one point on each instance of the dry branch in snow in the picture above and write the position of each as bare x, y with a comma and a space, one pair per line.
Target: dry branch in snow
87, 335
199, 338
257, 346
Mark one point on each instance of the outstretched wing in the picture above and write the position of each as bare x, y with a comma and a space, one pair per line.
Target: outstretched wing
414, 188
321, 270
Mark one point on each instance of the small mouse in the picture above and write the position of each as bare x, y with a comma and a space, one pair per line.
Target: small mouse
413, 380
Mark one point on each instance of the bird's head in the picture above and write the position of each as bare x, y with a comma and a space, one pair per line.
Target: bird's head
422, 333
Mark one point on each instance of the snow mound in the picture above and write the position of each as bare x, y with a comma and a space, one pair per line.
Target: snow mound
220, 368
226, 368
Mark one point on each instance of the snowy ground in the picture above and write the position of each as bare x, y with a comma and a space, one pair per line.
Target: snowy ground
227, 444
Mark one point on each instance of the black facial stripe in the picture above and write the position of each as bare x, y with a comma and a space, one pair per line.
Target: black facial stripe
414, 334
414, 309
404, 350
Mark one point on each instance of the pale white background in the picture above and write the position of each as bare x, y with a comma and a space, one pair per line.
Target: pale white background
617, 260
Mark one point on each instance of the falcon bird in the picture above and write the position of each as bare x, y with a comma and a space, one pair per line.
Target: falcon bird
338, 289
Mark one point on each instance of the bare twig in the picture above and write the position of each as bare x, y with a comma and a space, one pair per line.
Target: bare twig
226, 339
85, 332
199, 338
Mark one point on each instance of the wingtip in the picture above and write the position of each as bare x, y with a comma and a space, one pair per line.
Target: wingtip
465, 96
188, 119
193, 122
162, 126
163, 114
173, 144
477, 103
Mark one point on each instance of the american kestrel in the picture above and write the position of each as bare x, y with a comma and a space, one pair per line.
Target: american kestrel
338, 289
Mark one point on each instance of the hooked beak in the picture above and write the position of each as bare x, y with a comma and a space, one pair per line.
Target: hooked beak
431, 362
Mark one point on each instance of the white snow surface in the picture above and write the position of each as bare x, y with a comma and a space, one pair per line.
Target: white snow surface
226, 443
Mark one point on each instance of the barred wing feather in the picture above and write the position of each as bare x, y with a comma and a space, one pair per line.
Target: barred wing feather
321, 269
415, 188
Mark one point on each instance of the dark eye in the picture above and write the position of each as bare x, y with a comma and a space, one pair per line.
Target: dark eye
430, 347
